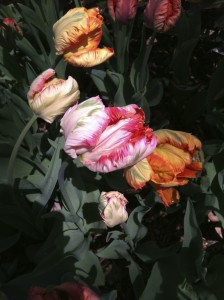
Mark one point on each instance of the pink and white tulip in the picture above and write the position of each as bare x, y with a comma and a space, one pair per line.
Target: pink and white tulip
107, 139
112, 208
49, 97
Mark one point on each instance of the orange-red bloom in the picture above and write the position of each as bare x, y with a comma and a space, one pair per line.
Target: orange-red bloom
122, 10
161, 15
173, 162
77, 36
68, 290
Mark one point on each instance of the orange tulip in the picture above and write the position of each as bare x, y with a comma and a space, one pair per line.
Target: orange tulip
77, 36
173, 162
161, 15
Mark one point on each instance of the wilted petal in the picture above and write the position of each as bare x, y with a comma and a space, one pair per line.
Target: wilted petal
168, 195
90, 58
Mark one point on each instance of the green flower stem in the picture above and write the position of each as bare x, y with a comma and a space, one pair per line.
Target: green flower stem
16, 149
145, 61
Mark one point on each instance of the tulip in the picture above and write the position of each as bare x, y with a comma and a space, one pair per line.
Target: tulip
107, 139
112, 208
122, 10
161, 15
77, 36
49, 97
173, 162
12, 23
68, 290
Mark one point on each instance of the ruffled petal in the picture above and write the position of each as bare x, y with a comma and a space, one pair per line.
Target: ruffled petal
90, 58
83, 125
167, 161
116, 152
179, 139
39, 83
69, 29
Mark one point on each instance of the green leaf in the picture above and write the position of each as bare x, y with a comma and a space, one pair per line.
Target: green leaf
8, 237
188, 31
134, 227
164, 280
90, 269
154, 93
150, 252
136, 278
118, 81
115, 250
191, 252
215, 90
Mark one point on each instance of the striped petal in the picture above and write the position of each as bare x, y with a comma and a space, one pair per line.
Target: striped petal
89, 58
179, 139
82, 126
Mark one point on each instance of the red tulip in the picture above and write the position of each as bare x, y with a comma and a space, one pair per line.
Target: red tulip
68, 290
161, 15
122, 10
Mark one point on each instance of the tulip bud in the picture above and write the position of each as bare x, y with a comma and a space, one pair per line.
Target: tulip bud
112, 208
49, 97
161, 15
122, 10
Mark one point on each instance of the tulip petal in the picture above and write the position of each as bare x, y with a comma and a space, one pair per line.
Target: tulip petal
90, 58
180, 139
55, 99
69, 29
167, 161
115, 149
38, 83
139, 174
125, 10
83, 125
111, 4
168, 195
